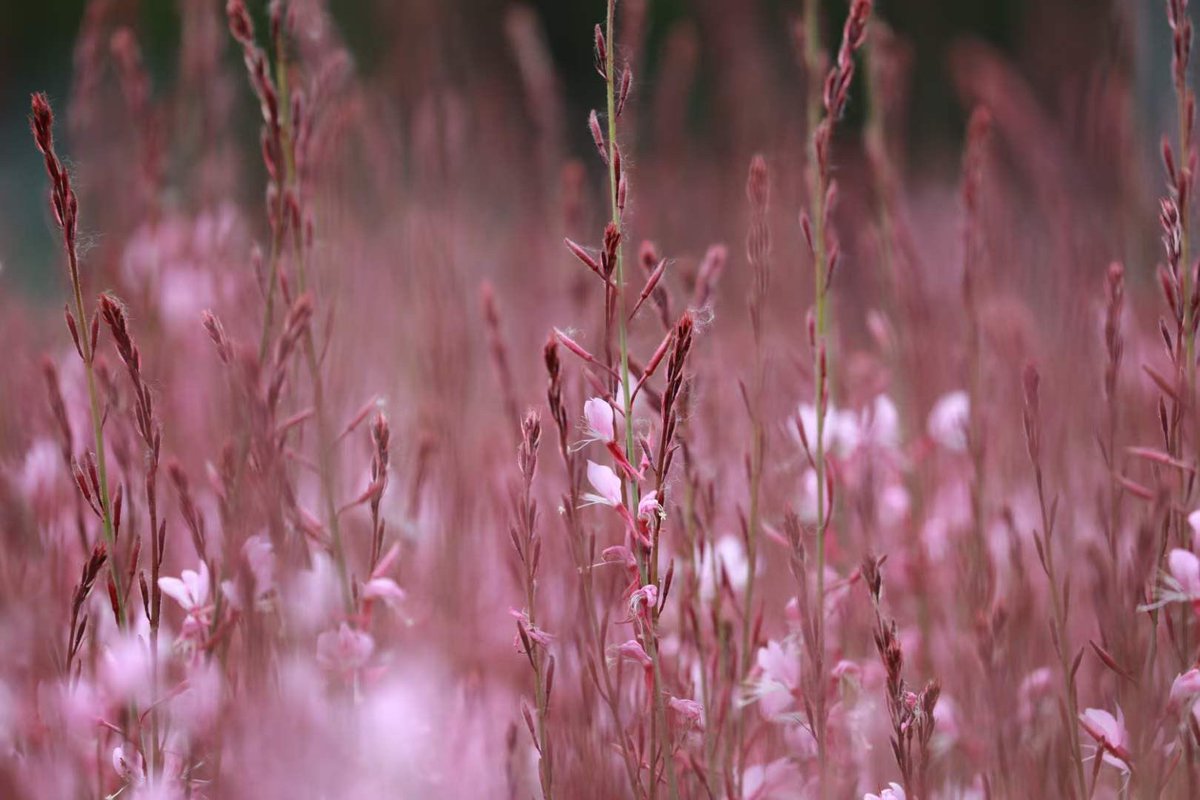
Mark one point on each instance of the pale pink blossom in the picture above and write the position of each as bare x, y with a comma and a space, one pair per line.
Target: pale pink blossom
632, 650
41, 469
600, 420
688, 710
947, 423
778, 686
893, 791
126, 668
1180, 583
841, 430
619, 554
344, 650
649, 506
846, 670
1185, 569
191, 591
778, 779
1033, 695
1194, 522
260, 560
606, 483
1112, 739
1185, 689
880, 424
643, 600
384, 589
127, 763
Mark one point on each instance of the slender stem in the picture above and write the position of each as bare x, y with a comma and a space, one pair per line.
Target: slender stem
1060, 626
648, 568
820, 353
614, 180
97, 415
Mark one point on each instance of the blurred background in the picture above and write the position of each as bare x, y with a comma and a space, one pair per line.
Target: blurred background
1062, 49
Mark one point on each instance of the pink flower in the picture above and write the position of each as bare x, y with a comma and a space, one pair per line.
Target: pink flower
40, 471
774, 780
606, 483
260, 559
190, 589
947, 424
880, 424
894, 791
128, 764
384, 589
1185, 689
846, 670
1194, 521
632, 650
600, 420
779, 677
1185, 569
619, 554
643, 600
1033, 693
649, 506
688, 710
344, 650
1109, 732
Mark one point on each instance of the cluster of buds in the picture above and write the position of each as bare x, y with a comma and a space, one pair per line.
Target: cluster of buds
148, 429
837, 82
62, 197
911, 713
1181, 29
1182, 302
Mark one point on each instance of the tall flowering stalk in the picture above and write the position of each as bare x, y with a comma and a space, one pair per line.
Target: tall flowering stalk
84, 330
283, 123
1180, 178
758, 253
615, 100
533, 639
823, 246
582, 542
617, 90
911, 713
149, 430
1180, 284
1060, 591
276, 138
